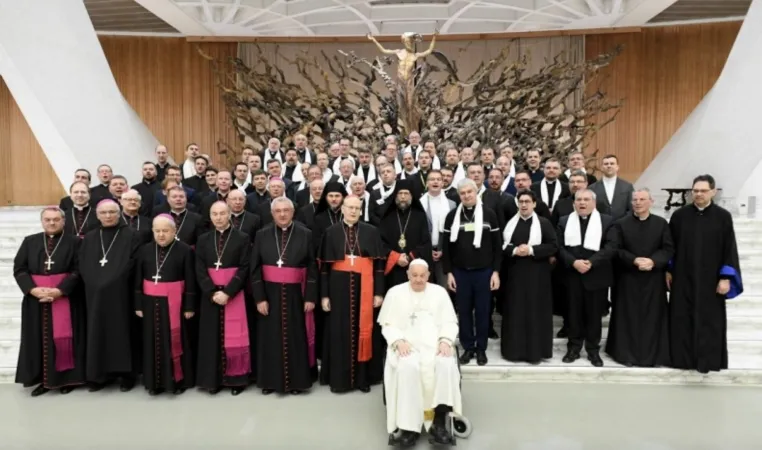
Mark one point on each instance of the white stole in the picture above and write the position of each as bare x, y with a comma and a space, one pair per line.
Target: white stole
327, 174
544, 192
298, 176
535, 231
405, 175
387, 193
397, 166
512, 172
337, 163
307, 156
459, 174
241, 187
573, 232
371, 173
268, 158
568, 172
506, 183
478, 223
437, 209
366, 201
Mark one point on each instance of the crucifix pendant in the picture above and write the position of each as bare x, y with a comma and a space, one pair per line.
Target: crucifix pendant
217, 265
402, 242
49, 263
103, 261
352, 259
156, 278
279, 263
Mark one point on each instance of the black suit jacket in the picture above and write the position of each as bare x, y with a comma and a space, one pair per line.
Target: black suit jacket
600, 276
621, 204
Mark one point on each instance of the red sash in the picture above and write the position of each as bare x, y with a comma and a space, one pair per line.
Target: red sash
174, 292
294, 275
363, 266
236, 341
60, 309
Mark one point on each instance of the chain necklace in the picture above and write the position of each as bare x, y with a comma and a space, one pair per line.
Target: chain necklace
84, 221
277, 247
182, 222
340, 216
128, 222
402, 242
243, 218
49, 262
103, 260
157, 277
351, 247
219, 254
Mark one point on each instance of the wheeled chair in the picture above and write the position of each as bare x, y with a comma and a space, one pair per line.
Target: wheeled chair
457, 426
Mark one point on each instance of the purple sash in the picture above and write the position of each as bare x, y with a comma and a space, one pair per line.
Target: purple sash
236, 341
174, 292
60, 309
294, 275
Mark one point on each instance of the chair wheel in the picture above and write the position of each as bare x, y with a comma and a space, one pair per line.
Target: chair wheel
461, 427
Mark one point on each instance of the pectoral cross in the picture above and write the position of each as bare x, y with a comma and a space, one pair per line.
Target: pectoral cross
103, 261
217, 265
49, 263
412, 319
279, 263
351, 259
156, 278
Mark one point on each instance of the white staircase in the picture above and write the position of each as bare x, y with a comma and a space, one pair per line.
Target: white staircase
744, 324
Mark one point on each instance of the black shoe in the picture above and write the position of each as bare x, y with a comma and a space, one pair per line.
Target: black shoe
178, 391
154, 392
408, 439
39, 390
492, 334
563, 333
295, 392
365, 389
127, 384
267, 391
237, 390
571, 356
595, 359
214, 391
467, 356
481, 358
95, 387
66, 389
438, 435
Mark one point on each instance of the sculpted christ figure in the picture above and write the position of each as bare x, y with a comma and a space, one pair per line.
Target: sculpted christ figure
407, 56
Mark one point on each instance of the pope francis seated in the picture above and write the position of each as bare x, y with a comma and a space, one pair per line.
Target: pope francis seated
421, 376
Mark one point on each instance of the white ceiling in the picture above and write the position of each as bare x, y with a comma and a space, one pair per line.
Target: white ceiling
393, 17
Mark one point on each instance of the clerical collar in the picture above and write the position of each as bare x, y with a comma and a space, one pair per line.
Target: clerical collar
261, 193
469, 208
81, 208
151, 181
525, 218
287, 226
179, 213
53, 236
130, 215
642, 218
223, 195
223, 231
550, 181
235, 214
350, 225
584, 217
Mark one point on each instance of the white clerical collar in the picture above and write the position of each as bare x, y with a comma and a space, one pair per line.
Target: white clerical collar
526, 218
223, 230
643, 218
178, 213
235, 214
350, 225
80, 208
287, 226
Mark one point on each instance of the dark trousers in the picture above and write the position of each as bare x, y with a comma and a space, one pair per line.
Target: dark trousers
474, 299
584, 315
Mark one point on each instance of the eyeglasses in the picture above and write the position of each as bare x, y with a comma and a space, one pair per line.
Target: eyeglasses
130, 199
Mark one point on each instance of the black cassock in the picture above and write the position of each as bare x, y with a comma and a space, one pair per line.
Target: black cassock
176, 264
283, 358
341, 368
705, 253
638, 324
109, 299
413, 224
211, 368
248, 223
527, 328
37, 356
79, 221
189, 226
306, 215
142, 225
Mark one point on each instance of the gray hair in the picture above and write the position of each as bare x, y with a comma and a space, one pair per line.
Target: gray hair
584, 191
314, 183
140, 197
350, 160
645, 190
355, 178
279, 200
53, 208
578, 173
279, 180
466, 182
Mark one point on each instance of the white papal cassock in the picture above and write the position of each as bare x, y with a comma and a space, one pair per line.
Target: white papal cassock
417, 383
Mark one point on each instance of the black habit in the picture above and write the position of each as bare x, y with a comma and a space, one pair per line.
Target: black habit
638, 324
37, 355
705, 253
284, 362
174, 262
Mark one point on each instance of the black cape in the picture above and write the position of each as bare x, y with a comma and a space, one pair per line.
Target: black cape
36, 363
705, 252
638, 323
109, 299
177, 264
340, 367
527, 327
211, 349
282, 346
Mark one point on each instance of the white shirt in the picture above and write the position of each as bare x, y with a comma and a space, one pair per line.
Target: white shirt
189, 169
609, 184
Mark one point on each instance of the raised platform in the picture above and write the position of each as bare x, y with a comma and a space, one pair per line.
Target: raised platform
744, 325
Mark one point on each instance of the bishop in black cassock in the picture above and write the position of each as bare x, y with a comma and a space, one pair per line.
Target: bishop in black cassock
106, 263
405, 233
165, 299
705, 272
528, 243
352, 289
638, 325
52, 352
284, 286
226, 337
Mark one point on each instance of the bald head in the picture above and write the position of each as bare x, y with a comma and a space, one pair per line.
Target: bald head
236, 201
220, 215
